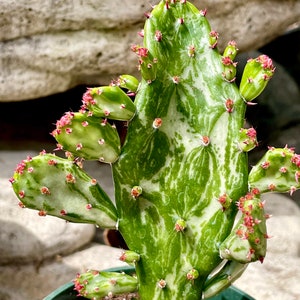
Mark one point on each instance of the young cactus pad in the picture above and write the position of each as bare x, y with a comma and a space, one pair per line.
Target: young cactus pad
181, 175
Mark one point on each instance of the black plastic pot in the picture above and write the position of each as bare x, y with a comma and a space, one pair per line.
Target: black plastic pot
66, 291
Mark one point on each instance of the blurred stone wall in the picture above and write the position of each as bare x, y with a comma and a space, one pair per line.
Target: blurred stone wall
51, 46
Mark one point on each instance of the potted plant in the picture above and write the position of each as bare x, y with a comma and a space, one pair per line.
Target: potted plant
181, 173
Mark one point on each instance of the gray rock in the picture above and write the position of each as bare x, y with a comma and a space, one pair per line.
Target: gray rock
37, 281
52, 47
288, 136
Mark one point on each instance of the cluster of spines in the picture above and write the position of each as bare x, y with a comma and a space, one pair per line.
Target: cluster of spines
88, 133
247, 242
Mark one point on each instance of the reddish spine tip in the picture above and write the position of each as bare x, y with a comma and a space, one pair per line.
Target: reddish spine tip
205, 140
158, 35
70, 178
162, 283
229, 105
63, 212
203, 12
45, 190
157, 123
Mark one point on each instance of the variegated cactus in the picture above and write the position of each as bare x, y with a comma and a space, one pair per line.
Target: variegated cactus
181, 175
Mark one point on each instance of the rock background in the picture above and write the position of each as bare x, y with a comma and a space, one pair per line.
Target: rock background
52, 47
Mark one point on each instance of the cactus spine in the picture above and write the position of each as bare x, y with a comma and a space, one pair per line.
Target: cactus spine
182, 174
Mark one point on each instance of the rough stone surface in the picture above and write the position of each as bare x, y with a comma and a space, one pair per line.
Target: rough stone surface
52, 47
34, 282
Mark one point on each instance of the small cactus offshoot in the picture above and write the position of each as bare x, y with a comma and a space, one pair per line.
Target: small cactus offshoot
181, 174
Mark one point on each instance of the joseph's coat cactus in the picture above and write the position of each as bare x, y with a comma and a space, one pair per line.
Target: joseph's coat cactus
182, 174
